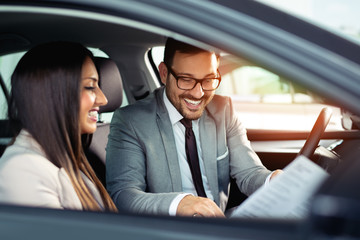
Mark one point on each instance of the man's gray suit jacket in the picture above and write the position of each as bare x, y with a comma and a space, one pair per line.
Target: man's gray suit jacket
142, 167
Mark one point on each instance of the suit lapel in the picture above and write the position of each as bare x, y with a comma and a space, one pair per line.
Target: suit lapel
207, 130
168, 141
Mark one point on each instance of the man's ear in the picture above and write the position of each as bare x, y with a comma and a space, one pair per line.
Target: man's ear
163, 71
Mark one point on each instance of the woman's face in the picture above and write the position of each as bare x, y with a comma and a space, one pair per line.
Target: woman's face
91, 97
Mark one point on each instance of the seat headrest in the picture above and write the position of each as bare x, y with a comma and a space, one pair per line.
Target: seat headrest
110, 83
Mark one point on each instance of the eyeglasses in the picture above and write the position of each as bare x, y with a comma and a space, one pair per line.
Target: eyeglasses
188, 83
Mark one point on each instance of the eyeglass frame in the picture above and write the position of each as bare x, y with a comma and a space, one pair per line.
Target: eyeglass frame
171, 71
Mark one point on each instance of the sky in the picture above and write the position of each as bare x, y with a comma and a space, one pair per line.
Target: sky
341, 15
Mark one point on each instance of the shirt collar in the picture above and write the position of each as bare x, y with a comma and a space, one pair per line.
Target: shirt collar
174, 115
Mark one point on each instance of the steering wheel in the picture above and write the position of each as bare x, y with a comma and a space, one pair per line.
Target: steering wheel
318, 129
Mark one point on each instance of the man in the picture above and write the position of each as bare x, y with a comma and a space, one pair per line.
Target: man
150, 162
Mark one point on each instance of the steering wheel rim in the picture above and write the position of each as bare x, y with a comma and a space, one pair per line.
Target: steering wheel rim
317, 131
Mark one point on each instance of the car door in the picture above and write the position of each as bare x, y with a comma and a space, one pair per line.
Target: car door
276, 42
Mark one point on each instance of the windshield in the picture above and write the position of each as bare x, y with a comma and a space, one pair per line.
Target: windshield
339, 16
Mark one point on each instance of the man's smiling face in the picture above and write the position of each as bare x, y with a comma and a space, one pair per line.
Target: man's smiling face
191, 103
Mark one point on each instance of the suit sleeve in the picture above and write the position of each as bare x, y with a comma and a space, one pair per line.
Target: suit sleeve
126, 169
245, 165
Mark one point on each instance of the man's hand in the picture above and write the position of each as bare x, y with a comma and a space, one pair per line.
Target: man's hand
198, 207
275, 173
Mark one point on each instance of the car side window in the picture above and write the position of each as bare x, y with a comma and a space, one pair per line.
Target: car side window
254, 84
263, 99
7, 65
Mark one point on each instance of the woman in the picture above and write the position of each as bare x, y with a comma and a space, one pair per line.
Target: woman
54, 100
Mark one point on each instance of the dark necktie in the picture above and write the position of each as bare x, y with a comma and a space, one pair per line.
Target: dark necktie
192, 157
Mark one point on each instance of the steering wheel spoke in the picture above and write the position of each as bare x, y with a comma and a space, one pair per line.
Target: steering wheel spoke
317, 131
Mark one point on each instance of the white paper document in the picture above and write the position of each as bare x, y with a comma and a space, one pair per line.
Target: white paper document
287, 195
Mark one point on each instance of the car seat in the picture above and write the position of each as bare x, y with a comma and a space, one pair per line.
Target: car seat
110, 83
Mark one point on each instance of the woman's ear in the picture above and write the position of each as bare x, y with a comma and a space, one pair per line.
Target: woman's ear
163, 71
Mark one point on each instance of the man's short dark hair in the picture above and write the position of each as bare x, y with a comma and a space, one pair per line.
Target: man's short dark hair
172, 46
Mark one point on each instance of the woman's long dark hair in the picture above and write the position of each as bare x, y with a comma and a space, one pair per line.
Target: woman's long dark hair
45, 100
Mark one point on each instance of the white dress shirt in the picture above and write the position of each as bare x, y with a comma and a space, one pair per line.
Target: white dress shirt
186, 177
